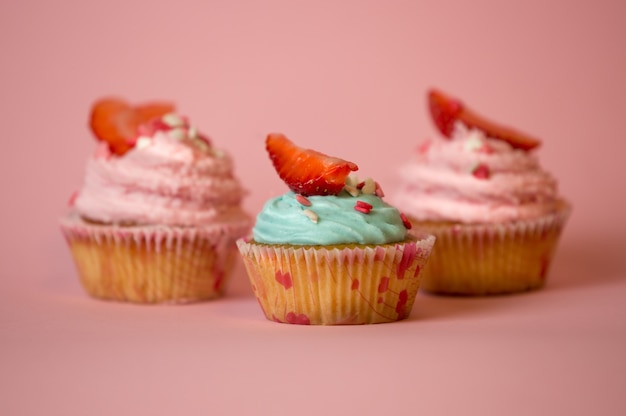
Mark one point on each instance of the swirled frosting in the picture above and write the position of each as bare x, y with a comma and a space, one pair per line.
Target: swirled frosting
472, 178
328, 220
170, 177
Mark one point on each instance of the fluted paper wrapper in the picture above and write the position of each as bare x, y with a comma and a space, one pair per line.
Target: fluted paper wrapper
320, 285
152, 264
489, 259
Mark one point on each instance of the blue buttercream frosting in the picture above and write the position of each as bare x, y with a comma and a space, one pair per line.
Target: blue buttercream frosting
330, 219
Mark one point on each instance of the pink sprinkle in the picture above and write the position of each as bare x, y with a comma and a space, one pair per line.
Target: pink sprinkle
379, 191
481, 171
405, 221
363, 207
423, 147
205, 139
486, 149
364, 204
303, 200
72, 199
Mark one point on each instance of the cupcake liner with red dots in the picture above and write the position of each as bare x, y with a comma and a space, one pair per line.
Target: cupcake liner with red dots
490, 259
333, 285
152, 263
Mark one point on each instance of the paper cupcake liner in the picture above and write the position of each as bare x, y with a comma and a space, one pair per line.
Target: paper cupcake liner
333, 285
484, 259
152, 264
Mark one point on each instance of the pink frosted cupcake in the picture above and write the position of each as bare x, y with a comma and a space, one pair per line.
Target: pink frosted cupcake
480, 189
159, 211
330, 251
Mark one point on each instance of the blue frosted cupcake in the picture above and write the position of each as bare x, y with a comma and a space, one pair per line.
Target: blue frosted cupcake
330, 251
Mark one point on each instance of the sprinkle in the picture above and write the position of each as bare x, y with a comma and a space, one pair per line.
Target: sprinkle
405, 221
202, 145
204, 138
311, 215
363, 207
218, 153
143, 142
423, 147
369, 186
351, 190
364, 204
303, 200
352, 181
72, 199
360, 185
173, 120
192, 132
178, 133
379, 191
481, 171
473, 144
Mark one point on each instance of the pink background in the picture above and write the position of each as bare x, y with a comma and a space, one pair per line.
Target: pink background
348, 78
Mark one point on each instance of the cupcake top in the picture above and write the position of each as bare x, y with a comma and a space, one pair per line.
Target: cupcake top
325, 206
164, 172
477, 172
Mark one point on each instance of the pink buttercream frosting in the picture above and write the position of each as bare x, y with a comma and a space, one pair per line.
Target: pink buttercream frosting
472, 178
172, 176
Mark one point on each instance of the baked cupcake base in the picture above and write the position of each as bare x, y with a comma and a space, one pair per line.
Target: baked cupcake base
489, 259
152, 264
334, 285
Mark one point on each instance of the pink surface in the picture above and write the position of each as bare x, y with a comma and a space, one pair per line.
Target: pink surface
349, 78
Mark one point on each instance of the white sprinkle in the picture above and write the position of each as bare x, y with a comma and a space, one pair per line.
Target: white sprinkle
369, 187
352, 190
201, 144
473, 144
352, 181
193, 133
178, 133
310, 215
143, 142
218, 153
173, 120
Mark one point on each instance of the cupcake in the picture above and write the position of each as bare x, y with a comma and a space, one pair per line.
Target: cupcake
480, 189
330, 251
159, 211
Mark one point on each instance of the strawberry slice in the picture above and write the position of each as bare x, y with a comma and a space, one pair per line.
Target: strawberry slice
115, 122
446, 110
307, 172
